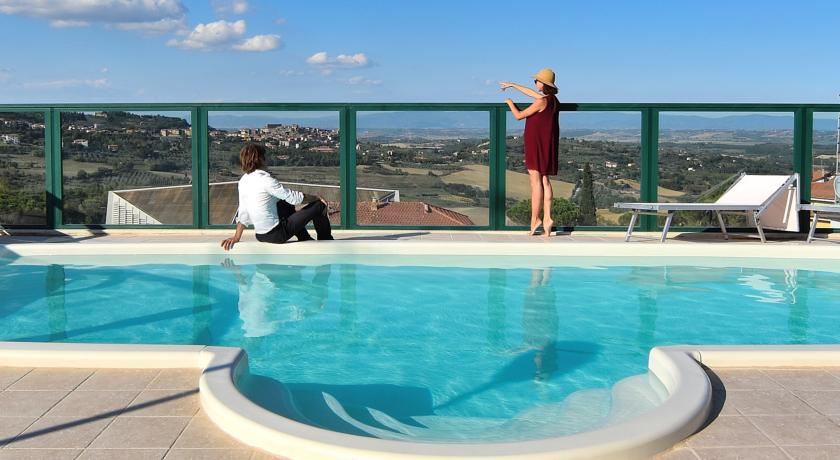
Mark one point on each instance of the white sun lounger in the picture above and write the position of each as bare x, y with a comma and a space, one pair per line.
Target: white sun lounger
769, 202
826, 210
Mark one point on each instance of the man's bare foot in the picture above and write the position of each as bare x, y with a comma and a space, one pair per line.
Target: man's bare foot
547, 225
534, 228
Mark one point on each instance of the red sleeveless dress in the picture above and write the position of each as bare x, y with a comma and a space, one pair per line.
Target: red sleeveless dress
542, 139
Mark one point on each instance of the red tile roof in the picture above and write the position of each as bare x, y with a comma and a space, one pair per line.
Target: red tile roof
414, 213
822, 190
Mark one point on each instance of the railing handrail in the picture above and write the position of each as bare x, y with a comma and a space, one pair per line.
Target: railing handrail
432, 106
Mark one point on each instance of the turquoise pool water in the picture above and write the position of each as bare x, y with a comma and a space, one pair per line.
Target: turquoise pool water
423, 350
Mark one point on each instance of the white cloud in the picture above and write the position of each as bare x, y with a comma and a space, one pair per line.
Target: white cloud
217, 34
68, 24
259, 43
362, 81
82, 13
5, 75
225, 35
291, 73
327, 64
166, 25
280, 21
223, 7
105, 70
61, 84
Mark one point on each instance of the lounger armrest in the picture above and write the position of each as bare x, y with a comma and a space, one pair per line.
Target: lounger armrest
822, 208
639, 206
668, 207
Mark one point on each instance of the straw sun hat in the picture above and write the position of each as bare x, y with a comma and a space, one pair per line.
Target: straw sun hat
546, 76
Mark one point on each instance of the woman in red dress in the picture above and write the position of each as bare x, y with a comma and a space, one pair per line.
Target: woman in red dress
542, 137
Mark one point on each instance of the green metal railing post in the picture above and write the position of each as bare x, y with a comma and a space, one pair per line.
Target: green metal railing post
803, 140
52, 164
200, 168
649, 169
497, 168
347, 152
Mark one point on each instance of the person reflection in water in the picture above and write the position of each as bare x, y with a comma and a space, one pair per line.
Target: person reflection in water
277, 294
540, 322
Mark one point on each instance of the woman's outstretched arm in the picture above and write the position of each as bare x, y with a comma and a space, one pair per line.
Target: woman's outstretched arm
524, 90
535, 107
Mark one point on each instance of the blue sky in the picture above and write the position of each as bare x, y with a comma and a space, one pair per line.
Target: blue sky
416, 51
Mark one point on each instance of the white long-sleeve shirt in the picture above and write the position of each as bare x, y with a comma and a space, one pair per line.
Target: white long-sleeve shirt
258, 195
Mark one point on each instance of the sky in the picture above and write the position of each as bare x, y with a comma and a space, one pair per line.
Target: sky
57, 51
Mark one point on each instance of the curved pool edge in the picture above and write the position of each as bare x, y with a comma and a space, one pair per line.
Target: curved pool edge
681, 414
679, 368
432, 247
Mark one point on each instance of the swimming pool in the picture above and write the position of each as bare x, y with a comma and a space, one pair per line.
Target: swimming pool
430, 349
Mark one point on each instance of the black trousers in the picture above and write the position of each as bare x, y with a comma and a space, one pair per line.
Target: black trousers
294, 223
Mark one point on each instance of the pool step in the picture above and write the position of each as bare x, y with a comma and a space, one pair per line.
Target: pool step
581, 411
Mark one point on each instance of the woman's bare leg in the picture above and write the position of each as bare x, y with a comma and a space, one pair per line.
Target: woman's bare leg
548, 195
536, 200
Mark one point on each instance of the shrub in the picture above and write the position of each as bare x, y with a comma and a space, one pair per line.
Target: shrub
563, 212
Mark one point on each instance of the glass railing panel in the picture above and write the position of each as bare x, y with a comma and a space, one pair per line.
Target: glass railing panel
701, 154
302, 152
423, 168
127, 168
825, 188
598, 165
22, 172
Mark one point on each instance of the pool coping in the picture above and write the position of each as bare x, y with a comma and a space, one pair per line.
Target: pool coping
431, 247
682, 413
678, 367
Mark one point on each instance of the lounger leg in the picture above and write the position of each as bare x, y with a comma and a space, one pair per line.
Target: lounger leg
760, 231
632, 224
813, 227
667, 226
722, 226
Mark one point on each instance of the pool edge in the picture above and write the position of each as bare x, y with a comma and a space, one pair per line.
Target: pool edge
685, 410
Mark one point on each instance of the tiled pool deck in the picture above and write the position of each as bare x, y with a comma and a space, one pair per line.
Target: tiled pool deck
108, 414
777, 413
50, 413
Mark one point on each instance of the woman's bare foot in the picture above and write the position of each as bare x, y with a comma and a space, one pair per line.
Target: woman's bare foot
547, 224
534, 227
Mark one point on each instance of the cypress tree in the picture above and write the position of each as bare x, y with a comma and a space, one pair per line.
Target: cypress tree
587, 198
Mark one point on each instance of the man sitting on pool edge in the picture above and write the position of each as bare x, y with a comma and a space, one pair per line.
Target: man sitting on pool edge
270, 207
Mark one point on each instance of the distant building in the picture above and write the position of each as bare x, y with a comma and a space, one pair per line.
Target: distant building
822, 186
323, 149
173, 206
113, 147
408, 213
610, 164
11, 139
172, 132
822, 192
83, 142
